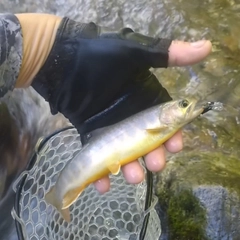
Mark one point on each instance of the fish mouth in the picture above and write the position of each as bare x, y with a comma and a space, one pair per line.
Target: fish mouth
194, 109
207, 107
198, 108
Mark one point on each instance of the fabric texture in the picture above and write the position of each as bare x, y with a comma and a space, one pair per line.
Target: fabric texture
11, 51
98, 78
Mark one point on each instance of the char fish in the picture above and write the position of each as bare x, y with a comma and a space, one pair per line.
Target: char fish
111, 147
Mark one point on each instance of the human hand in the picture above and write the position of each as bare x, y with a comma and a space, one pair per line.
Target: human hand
180, 54
96, 79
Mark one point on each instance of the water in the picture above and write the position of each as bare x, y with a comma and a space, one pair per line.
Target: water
214, 79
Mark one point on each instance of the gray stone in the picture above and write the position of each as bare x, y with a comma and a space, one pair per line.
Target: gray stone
223, 213
199, 195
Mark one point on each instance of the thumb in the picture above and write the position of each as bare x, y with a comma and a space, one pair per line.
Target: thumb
186, 53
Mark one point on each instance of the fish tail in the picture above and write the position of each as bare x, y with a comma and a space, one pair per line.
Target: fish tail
51, 198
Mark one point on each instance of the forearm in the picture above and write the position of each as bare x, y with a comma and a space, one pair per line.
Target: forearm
39, 31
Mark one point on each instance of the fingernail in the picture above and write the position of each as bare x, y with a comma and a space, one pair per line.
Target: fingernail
198, 44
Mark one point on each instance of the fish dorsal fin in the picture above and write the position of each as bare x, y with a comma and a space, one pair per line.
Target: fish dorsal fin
71, 196
157, 129
114, 168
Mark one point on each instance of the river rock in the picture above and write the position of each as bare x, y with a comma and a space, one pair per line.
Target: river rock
199, 197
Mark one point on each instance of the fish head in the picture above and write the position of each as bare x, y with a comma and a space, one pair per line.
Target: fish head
179, 112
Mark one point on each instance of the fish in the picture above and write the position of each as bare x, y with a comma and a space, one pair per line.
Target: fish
111, 147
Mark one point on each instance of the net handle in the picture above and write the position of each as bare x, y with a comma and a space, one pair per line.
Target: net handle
149, 195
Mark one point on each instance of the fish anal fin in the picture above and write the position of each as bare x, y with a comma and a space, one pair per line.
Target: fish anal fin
66, 214
71, 196
114, 168
158, 129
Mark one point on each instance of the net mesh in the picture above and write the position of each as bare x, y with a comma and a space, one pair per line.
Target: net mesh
118, 214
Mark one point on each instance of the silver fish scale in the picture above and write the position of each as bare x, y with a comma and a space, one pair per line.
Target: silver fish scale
115, 215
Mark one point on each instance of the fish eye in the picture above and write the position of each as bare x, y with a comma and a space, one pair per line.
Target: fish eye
183, 103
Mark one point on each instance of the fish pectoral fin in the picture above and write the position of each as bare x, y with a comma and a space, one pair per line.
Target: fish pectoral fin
158, 129
114, 168
71, 196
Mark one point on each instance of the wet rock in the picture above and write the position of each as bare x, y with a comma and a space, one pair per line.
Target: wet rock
199, 197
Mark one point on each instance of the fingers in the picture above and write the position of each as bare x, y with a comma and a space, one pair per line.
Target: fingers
175, 143
155, 160
103, 184
133, 172
186, 53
